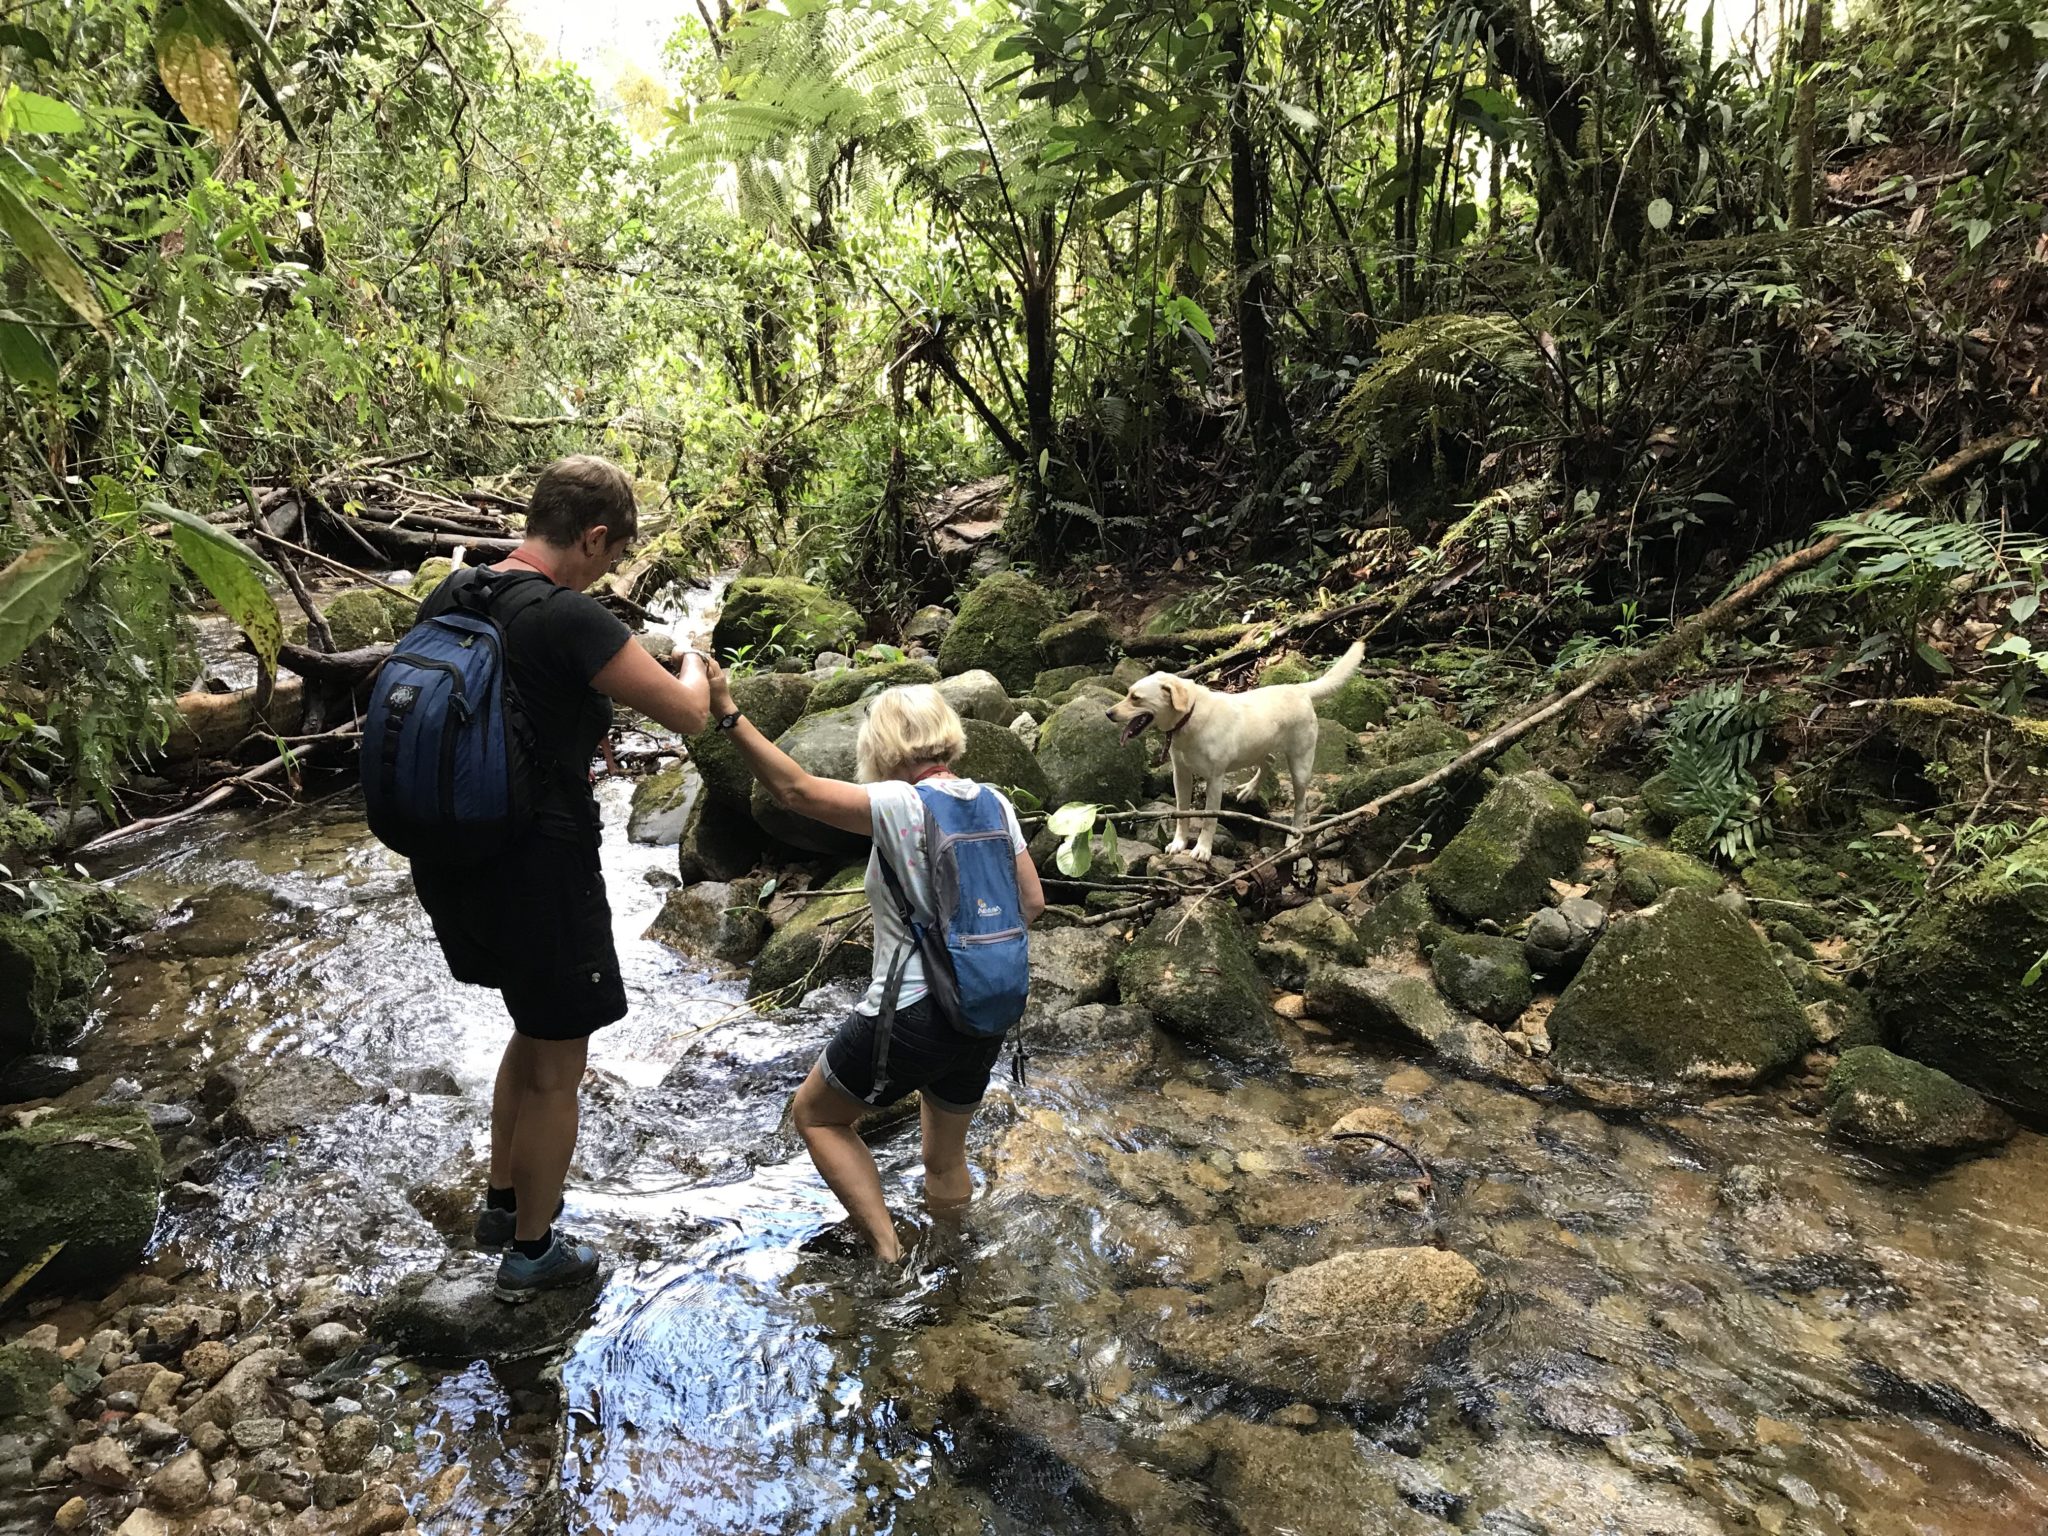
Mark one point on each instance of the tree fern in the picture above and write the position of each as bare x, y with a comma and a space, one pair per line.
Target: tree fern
1431, 376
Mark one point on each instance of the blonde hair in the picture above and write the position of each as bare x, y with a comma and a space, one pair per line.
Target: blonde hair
905, 725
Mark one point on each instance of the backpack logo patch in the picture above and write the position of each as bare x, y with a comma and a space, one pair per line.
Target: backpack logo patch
983, 908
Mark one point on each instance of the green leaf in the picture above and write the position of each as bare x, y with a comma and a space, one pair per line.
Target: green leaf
2024, 607
1976, 232
26, 112
1933, 658
1071, 819
229, 22
2034, 972
52, 259
23, 356
1076, 856
32, 593
29, 41
1659, 213
1121, 199
233, 573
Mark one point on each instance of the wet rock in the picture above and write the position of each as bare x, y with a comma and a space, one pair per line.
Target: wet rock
1391, 929
207, 1361
252, 1435
997, 755
1072, 966
1025, 729
1085, 758
1647, 873
1355, 1329
1306, 936
27, 1372
180, 1485
661, 805
718, 843
1877, 1099
764, 616
928, 626
335, 1490
858, 683
1684, 993
450, 1314
1092, 1026
977, 695
822, 744
39, 1077
293, 1095
690, 918
823, 941
49, 966
433, 1081
73, 1514
88, 1179
222, 1085
144, 1522
243, 1392
772, 702
1559, 938
1483, 975
1947, 991
103, 1462
1193, 970
1528, 831
1081, 639
1378, 1002
348, 1442
1276, 1481
328, 1342
997, 630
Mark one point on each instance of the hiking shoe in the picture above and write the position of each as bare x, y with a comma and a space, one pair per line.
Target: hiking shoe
563, 1264
496, 1229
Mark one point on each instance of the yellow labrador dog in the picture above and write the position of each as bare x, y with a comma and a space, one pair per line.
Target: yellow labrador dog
1210, 735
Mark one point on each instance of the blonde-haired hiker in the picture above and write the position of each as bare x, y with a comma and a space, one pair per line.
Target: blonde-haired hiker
899, 1038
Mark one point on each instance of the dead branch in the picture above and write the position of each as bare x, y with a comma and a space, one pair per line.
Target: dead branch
225, 790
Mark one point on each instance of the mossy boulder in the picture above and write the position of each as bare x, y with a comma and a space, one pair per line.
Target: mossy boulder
49, 966
1358, 705
1336, 747
1682, 994
88, 1179
822, 941
717, 842
764, 615
1193, 970
1528, 831
1085, 758
430, 575
661, 805
1303, 937
1392, 928
1948, 990
998, 756
773, 702
1662, 807
928, 626
1483, 974
25, 839
1127, 672
823, 744
27, 1372
1424, 736
1081, 639
978, 695
1645, 874
998, 629
1394, 1004
1054, 681
365, 617
857, 683
1880, 1100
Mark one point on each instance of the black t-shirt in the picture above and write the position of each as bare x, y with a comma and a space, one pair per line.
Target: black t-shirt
553, 648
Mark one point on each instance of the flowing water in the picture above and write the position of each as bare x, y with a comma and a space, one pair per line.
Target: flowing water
1697, 1321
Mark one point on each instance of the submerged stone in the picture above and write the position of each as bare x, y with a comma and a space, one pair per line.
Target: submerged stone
1394, 1003
1682, 994
450, 1314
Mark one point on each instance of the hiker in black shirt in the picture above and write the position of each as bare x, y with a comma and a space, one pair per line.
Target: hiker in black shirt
534, 923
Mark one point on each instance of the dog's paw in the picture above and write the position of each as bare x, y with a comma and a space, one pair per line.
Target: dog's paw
1203, 853
1178, 845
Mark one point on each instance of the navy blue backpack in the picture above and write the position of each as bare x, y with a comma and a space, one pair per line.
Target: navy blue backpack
977, 964
448, 761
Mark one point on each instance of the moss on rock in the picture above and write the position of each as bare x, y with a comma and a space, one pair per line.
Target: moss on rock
1528, 831
823, 941
661, 805
998, 756
1081, 639
1360, 704
1392, 929
1948, 990
430, 575
1084, 758
1645, 874
27, 1373
998, 629
853, 684
48, 970
1877, 1099
1193, 969
766, 614
25, 839
88, 1179
1426, 736
1483, 974
1054, 681
1684, 993
773, 701
363, 617
1303, 937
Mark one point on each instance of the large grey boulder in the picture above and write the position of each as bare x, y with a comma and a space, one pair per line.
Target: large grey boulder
1528, 831
1085, 758
293, 1095
1404, 1006
1194, 971
765, 616
997, 755
1071, 966
823, 744
978, 695
661, 805
998, 629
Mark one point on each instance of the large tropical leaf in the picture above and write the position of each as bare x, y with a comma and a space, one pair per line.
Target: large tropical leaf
32, 593
198, 70
49, 256
233, 573
23, 355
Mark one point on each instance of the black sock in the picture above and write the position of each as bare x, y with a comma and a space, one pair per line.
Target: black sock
496, 1199
533, 1247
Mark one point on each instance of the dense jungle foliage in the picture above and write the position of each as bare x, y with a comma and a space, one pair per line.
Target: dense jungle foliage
1566, 315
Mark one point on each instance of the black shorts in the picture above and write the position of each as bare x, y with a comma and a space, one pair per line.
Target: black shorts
925, 1054
534, 924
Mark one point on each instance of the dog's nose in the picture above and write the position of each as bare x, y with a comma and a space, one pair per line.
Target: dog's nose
1110, 713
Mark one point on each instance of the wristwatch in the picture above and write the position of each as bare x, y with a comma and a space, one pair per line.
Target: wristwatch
727, 722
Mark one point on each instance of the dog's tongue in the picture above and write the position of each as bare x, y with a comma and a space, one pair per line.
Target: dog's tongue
1134, 730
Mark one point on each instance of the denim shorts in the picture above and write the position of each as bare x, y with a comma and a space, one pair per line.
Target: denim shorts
925, 1054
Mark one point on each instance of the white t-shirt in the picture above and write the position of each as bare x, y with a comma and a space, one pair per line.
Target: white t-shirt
898, 815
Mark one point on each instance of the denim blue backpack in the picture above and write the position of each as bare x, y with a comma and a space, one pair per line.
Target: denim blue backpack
977, 965
449, 767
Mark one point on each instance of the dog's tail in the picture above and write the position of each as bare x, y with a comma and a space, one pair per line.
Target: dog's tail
1338, 675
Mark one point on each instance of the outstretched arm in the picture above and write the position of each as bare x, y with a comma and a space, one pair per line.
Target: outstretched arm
833, 801
680, 701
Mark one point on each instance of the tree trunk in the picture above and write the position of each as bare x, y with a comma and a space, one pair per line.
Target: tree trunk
1800, 213
1264, 403
1039, 354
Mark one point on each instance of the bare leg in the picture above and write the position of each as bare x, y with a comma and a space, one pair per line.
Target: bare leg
826, 1118
948, 1185
544, 1136
505, 1095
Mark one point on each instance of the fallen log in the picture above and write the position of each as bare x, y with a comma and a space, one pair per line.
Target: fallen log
214, 724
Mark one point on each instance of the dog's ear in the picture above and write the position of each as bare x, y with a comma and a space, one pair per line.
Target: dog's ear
1180, 694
